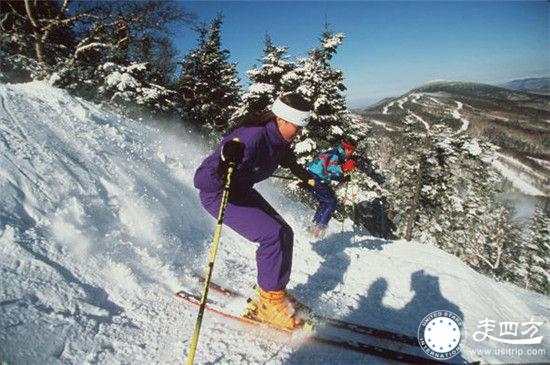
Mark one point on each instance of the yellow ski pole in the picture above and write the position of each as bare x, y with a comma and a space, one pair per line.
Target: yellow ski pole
213, 252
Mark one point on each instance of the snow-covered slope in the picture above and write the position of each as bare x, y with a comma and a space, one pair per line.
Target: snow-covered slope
514, 121
100, 225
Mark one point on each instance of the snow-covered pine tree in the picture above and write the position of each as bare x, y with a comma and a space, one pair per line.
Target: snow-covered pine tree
536, 253
440, 185
437, 188
209, 83
478, 185
367, 199
318, 81
446, 192
265, 80
106, 62
496, 245
418, 182
130, 90
159, 51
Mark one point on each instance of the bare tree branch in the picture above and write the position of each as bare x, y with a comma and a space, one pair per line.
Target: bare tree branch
64, 7
30, 14
486, 260
15, 12
2, 21
90, 46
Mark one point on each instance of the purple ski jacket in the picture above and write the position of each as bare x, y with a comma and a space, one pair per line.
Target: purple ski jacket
265, 150
247, 212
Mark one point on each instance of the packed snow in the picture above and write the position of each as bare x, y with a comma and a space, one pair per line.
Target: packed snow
100, 226
402, 101
542, 162
416, 97
436, 101
382, 124
419, 119
386, 107
518, 174
456, 114
520, 165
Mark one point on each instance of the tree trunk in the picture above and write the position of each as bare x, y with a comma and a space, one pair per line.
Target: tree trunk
415, 200
38, 39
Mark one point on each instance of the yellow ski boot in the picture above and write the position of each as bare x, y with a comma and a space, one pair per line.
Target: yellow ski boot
275, 308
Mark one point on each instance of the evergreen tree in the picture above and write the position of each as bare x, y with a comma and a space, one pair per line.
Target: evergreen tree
315, 79
497, 244
421, 187
537, 253
265, 80
164, 60
130, 89
440, 185
478, 185
115, 58
209, 83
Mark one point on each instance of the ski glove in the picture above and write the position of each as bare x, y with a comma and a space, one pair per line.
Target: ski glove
349, 165
232, 153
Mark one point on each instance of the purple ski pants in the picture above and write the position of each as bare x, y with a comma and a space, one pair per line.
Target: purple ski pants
251, 216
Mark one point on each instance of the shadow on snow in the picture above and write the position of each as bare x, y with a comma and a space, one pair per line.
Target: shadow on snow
370, 309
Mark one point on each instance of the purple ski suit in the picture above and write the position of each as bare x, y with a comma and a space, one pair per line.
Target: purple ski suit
247, 212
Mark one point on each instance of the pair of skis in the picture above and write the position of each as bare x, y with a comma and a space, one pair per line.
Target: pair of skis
333, 322
334, 341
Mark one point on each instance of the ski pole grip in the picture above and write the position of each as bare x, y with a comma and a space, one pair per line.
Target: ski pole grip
233, 163
232, 152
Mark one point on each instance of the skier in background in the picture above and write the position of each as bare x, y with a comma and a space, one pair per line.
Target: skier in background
264, 144
327, 167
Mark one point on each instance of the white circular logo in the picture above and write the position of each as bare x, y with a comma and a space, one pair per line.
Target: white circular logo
439, 334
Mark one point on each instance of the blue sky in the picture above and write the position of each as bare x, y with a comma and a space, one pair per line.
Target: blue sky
391, 47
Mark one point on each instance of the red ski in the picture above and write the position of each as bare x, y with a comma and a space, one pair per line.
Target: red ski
334, 322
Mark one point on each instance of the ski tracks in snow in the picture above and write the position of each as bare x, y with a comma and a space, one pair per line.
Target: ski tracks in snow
411, 117
386, 107
456, 114
382, 124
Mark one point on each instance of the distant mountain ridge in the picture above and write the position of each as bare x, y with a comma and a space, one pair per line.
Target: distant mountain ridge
516, 121
536, 85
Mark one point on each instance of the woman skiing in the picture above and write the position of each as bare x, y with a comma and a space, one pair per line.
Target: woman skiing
329, 166
260, 149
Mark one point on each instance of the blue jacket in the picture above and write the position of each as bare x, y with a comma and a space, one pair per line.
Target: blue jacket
327, 166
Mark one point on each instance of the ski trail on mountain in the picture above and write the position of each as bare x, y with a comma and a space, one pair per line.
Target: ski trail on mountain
456, 114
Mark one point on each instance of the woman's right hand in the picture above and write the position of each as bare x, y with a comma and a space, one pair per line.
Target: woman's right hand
232, 153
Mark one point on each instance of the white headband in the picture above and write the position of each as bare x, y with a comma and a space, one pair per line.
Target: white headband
288, 113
